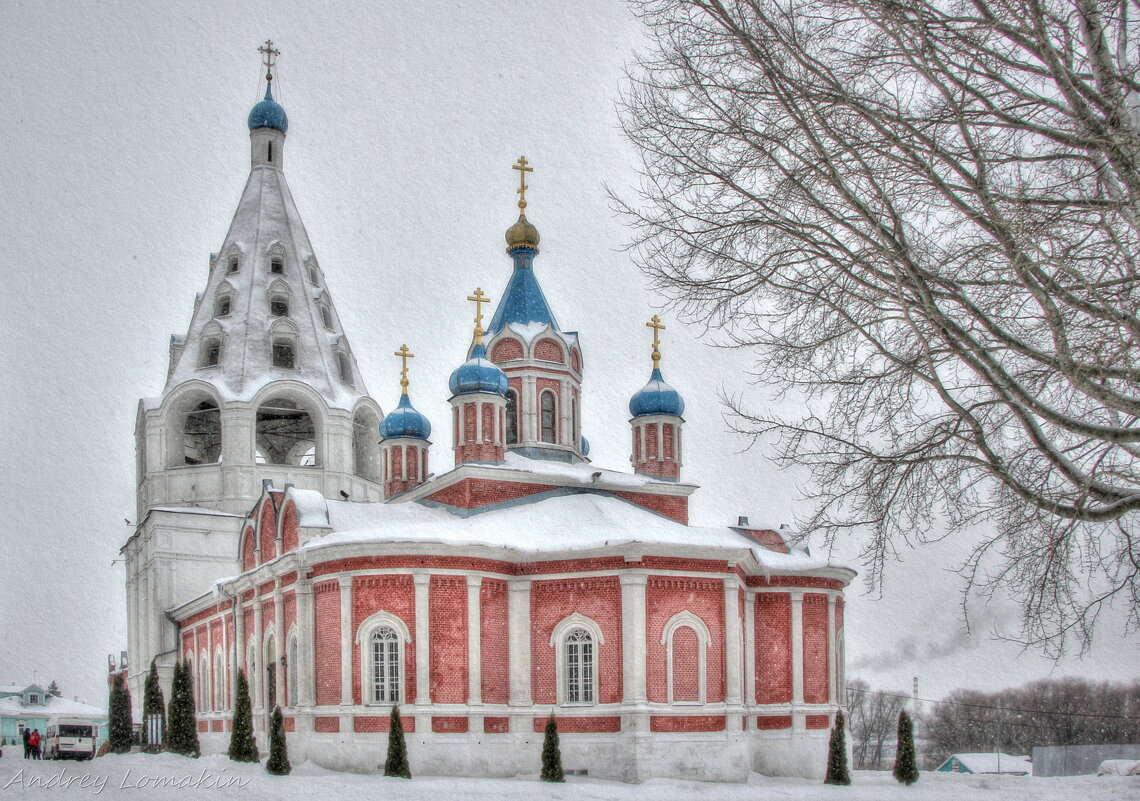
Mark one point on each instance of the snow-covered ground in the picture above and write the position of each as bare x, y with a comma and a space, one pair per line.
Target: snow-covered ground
164, 776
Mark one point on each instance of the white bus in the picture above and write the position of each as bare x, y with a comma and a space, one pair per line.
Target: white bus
70, 738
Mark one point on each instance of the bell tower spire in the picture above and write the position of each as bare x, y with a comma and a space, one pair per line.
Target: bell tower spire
264, 384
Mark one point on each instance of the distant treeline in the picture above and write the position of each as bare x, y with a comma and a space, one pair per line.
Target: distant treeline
1046, 712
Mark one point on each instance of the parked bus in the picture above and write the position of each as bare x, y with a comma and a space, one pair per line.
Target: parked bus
70, 738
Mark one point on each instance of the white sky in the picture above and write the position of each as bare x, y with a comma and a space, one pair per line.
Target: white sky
123, 151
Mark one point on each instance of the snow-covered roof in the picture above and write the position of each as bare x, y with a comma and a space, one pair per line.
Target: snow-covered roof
581, 472
10, 689
994, 762
545, 523
311, 509
12, 706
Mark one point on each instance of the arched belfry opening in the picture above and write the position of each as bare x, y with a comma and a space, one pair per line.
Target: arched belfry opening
286, 434
366, 444
202, 434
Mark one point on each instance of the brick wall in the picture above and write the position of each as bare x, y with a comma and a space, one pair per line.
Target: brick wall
548, 350
447, 662
473, 492
668, 505
494, 646
664, 598
578, 725
506, 350
598, 599
686, 723
773, 648
268, 532
815, 648
248, 559
326, 643
395, 595
686, 665
289, 528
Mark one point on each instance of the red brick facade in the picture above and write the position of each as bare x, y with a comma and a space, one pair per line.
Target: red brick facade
773, 648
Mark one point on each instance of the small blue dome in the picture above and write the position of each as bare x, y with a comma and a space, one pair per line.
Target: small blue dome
585, 447
478, 374
268, 113
656, 397
404, 421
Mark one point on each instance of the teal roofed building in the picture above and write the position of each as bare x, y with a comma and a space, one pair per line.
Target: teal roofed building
31, 707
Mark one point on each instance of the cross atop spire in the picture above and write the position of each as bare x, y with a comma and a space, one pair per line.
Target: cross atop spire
520, 165
478, 298
269, 58
404, 355
657, 327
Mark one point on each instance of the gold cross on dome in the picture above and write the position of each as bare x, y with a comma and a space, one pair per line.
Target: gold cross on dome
404, 355
267, 50
657, 327
478, 298
520, 165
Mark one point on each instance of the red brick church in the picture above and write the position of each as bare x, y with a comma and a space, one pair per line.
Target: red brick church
289, 528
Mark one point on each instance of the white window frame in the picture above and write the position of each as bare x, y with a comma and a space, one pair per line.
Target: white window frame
558, 640
364, 634
689, 620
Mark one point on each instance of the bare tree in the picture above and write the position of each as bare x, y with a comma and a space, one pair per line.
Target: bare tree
925, 216
873, 720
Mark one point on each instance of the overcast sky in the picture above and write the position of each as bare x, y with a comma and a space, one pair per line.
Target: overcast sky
123, 151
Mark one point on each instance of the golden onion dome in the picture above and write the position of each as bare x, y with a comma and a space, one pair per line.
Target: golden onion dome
522, 234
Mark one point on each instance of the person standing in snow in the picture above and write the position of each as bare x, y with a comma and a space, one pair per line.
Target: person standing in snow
34, 742
27, 734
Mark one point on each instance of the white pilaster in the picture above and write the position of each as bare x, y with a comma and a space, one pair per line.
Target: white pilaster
306, 691
733, 653
346, 637
518, 633
281, 650
423, 654
797, 646
633, 637
474, 642
833, 690
749, 648
256, 671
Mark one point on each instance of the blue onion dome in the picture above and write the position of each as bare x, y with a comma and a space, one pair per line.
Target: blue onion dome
656, 397
404, 421
268, 113
478, 374
585, 447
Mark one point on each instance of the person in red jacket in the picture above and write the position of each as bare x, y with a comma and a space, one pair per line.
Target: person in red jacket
34, 742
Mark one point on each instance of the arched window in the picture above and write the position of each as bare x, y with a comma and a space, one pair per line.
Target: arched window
326, 315
219, 681
204, 684
687, 640
579, 670
384, 666
270, 673
549, 417
211, 352
234, 263
278, 306
222, 306
291, 673
344, 365
314, 279
277, 265
202, 434
269, 153
284, 355
285, 434
365, 444
251, 674
512, 417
